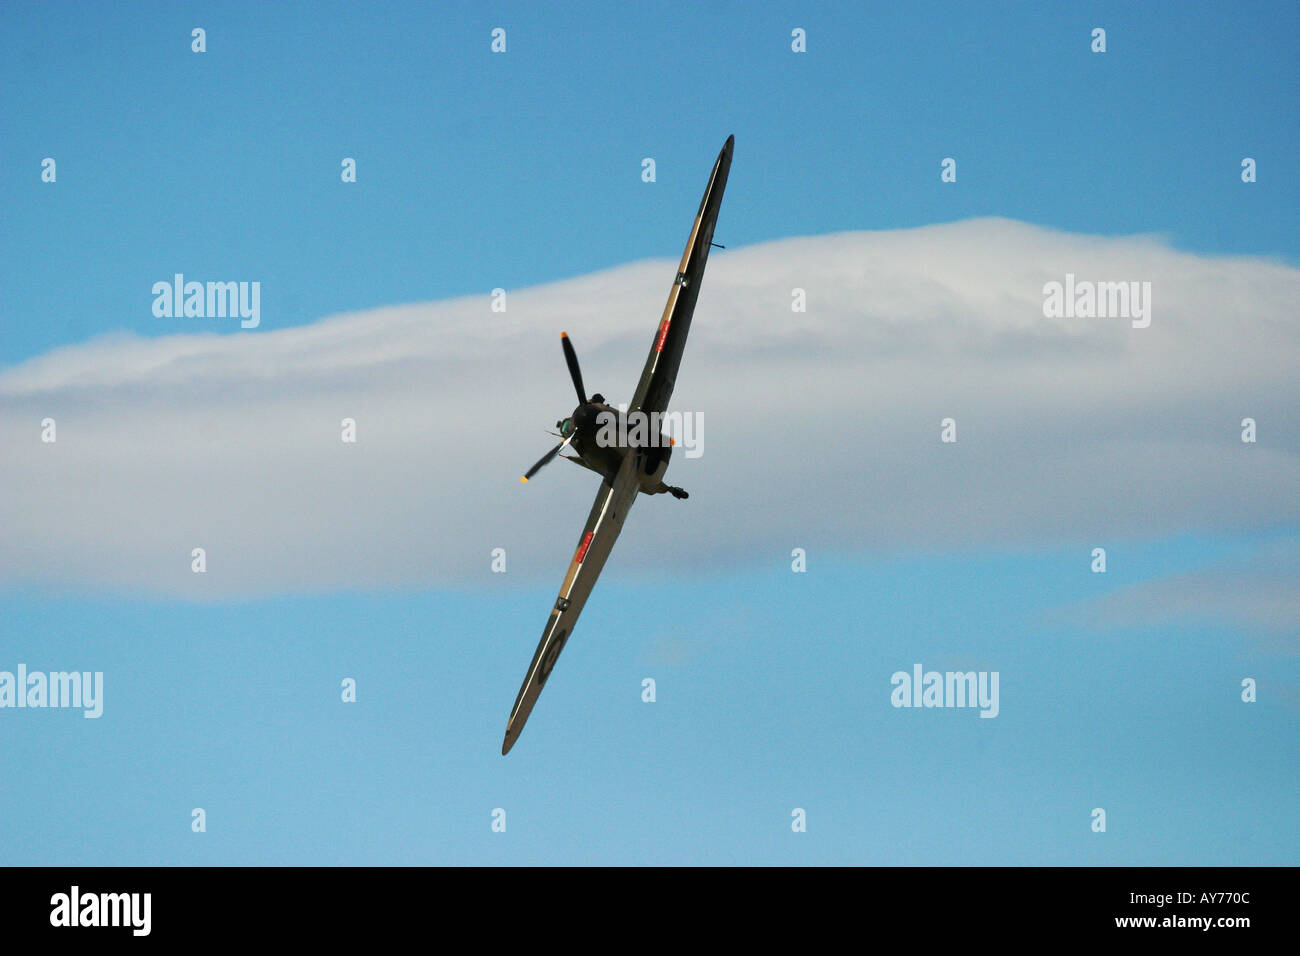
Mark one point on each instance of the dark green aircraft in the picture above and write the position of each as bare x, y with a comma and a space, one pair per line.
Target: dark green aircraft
628, 467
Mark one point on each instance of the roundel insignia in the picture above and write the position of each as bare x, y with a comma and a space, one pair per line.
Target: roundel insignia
552, 654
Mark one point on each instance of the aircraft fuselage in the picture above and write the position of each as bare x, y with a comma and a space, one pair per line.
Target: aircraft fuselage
600, 439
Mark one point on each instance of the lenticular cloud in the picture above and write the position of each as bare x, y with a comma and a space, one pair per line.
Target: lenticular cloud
820, 428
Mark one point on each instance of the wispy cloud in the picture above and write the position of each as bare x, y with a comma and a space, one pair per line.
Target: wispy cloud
1257, 592
821, 427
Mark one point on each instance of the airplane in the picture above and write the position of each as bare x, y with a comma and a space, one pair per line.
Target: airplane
626, 469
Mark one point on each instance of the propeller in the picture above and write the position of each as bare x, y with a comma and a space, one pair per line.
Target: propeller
570, 359
546, 459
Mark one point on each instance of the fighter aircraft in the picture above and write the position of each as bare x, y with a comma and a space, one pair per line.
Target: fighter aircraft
626, 468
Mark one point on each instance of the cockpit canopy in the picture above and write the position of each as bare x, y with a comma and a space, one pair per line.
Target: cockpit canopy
566, 427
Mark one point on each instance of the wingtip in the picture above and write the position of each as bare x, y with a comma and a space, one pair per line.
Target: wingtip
506, 744
564, 335
523, 477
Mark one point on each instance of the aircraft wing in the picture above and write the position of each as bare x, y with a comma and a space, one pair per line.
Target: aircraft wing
660, 373
596, 541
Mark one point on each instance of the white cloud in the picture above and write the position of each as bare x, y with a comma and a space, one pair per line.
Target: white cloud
821, 429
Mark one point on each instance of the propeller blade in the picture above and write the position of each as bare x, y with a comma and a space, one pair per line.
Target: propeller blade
571, 357
546, 459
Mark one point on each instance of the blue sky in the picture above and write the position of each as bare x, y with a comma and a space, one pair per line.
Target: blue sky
234, 711
477, 171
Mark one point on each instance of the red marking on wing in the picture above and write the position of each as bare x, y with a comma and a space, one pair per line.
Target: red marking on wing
663, 334
582, 548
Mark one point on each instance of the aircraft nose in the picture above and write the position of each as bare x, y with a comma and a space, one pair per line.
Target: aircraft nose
584, 417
